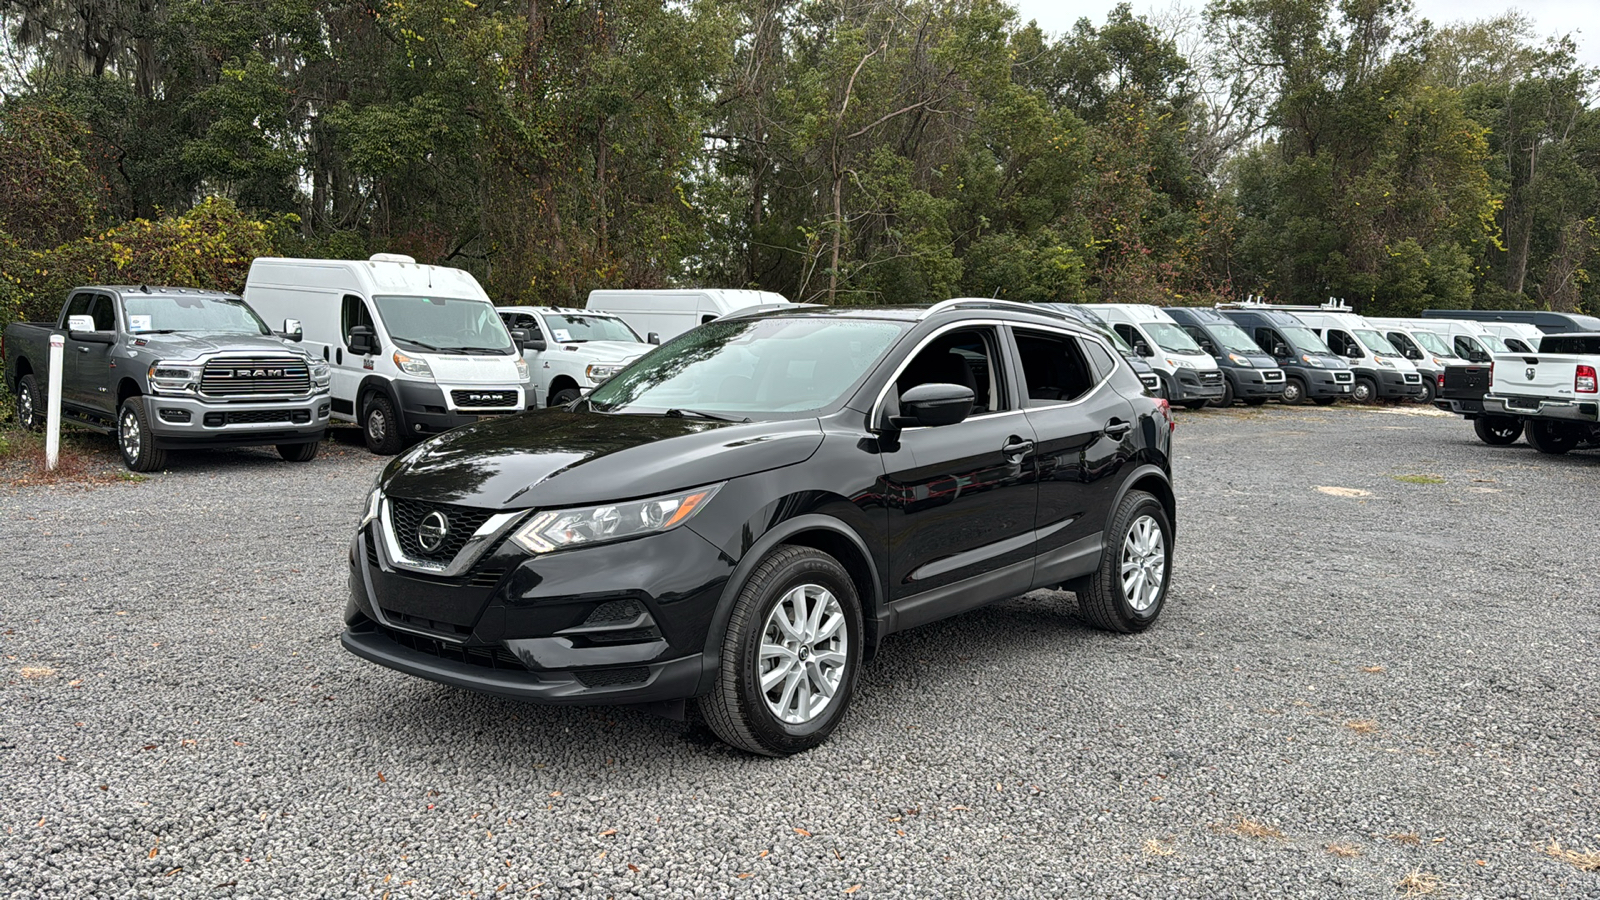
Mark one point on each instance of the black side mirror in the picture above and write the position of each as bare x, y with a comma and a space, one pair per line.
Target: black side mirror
1143, 349
1209, 348
933, 405
1281, 351
538, 345
362, 340
520, 337
653, 338
1352, 353
292, 331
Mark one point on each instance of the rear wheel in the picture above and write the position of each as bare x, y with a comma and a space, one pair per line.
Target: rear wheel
381, 426
1554, 438
134, 439
1498, 431
1130, 588
30, 404
299, 452
1365, 390
790, 655
1294, 392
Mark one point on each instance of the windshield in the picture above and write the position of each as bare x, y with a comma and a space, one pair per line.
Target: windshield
1375, 342
752, 366
1432, 343
211, 315
445, 324
1171, 338
1115, 339
1304, 339
568, 328
1232, 338
1494, 343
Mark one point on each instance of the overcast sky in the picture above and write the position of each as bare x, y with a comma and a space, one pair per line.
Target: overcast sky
1549, 16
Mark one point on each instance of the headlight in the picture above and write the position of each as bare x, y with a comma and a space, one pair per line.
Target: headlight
1311, 361
1180, 363
174, 378
321, 373
413, 366
561, 528
374, 502
598, 373
522, 369
1383, 362
1241, 360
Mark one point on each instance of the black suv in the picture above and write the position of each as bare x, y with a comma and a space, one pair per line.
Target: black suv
742, 515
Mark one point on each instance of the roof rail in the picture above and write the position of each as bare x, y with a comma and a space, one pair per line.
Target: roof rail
992, 303
769, 307
1334, 305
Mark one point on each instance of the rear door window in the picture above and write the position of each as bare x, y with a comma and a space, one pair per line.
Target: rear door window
1054, 368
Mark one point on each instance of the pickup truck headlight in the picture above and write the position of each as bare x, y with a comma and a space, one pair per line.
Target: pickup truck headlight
412, 366
1311, 361
598, 373
174, 378
522, 369
1241, 360
562, 528
321, 373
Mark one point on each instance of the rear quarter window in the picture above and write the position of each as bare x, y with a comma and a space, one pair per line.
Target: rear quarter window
1571, 343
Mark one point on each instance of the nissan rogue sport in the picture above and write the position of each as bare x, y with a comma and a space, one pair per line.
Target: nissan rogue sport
741, 516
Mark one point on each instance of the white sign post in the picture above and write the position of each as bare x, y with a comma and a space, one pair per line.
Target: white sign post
52, 420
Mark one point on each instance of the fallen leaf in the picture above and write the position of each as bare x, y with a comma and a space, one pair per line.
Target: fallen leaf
1344, 492
852, 889
381, 778
608, 832
153, 851
36, 672
762, 854
802, 832
632, 867
962, 808
744, 874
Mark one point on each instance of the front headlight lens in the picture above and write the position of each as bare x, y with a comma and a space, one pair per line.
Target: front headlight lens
1383, 362
374, 502
522, 369
598, 373
417, 368
321, 372
1311, 361
562, 528
1179, 363
1241, 360
172, 378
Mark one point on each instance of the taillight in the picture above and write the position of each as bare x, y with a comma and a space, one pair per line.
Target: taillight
1441, 379
1585, 382
1165, 408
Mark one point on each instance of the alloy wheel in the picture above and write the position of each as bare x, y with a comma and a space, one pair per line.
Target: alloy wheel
377, 425
25, 407
1144, 563
129, 432
804, 650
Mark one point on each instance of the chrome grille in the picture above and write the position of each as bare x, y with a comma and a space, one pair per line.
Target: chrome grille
461, 523
236, 376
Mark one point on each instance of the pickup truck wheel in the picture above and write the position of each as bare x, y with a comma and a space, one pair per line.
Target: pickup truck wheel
381, 426
790, 655
30, 404
1130, 588
134, 439
1554, 438
1294, 392
1498, 431
299, 452
565, 396
1365, 390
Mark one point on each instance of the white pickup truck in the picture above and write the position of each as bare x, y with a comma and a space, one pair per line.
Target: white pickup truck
1554, 392
572, 350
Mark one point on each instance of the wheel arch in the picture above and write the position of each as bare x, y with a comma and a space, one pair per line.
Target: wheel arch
558, 384
380, 385
126, 388
1151, 479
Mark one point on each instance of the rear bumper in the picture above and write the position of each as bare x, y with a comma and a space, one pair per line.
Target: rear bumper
178, 422
1585, 411
1468, 407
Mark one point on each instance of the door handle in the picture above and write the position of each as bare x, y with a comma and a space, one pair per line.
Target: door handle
1116, 428
1015, 447
83, 349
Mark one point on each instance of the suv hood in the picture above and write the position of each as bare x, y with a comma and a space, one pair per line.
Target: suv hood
610, 351
190, 345
553, 458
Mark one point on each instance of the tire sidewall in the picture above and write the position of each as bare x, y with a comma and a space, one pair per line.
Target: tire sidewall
27, 387
130, 408
766, 727
1143, 505
1371, 390
1294, 392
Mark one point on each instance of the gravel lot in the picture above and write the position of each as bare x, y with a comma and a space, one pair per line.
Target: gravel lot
1409, 674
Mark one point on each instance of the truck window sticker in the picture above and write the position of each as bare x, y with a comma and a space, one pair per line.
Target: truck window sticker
137, 324
561, 335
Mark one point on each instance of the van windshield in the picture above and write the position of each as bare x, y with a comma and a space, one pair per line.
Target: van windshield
1231, 338
1115, 339
1304, 339
445, 325
573, 328
207, 315
1171, 338
1375, 342
1432, 343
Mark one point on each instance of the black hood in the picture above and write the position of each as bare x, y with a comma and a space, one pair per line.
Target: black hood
553, 457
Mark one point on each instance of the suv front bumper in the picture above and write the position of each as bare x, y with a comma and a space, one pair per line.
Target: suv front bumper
178, 421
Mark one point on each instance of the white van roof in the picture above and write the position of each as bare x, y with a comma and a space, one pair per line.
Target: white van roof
725, 300
384, 273
1135, 312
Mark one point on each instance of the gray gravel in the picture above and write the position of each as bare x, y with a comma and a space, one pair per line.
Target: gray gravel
177, 719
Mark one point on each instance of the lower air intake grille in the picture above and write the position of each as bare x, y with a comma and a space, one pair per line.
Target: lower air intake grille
614, 677
496, 657
614, 612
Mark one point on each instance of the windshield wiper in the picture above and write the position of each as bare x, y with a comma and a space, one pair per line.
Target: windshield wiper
415, 343
677, 413
488, 351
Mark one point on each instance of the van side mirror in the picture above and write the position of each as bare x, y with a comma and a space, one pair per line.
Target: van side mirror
363, 340
292, 330
1281, 351
934, 405
1143, 349
1352, 353
1209, 348
653, 338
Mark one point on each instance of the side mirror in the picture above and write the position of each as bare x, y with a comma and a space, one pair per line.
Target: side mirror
537, 345
653, 338
1209, 348
1281, 351
1143, 349
521, 338
80, 323
1352, 353
81, 329
933, 405
292, 330
363, 340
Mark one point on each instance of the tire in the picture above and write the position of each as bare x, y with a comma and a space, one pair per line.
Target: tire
134, 439
31, 404
1103, 598
1553, 438
298, 453
1256, 401
1497, 431
1226, 400
381, 427
1294, 392
737, 709
1365, 390
1325, 401
564, 396
1429, 389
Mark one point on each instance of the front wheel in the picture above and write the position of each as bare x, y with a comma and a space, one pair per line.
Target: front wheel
381, 427
1553, 438
1294, 392
1226, 400
790, 655
563, 397
299, 452
134, 439
1365, 390
1128, 591
30, 404
1429, 390
1498, 431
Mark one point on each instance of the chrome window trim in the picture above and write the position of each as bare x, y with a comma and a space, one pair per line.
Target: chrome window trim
1116, 360
883, 392
464, 559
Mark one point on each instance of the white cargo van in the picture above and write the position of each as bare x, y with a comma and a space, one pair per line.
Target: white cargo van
415, 349
1190, 375
1520, 337
1381, 371
570, 351
1421, 342
664, 314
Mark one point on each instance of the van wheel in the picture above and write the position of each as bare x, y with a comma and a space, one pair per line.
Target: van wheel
790, 656
1130, 588
1429, 389
1553, 438
134, 439
381, 426
30, 404
299, 452
1498, 431
564, 396
1294, 392
1226, 400
1365, 390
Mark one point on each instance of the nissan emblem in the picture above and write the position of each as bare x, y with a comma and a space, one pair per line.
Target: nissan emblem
432, 531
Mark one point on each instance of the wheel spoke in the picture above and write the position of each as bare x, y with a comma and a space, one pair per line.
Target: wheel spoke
825, 685
829, 628
773, 678
829, 658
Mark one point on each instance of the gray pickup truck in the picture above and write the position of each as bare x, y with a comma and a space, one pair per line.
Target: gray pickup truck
164, 368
